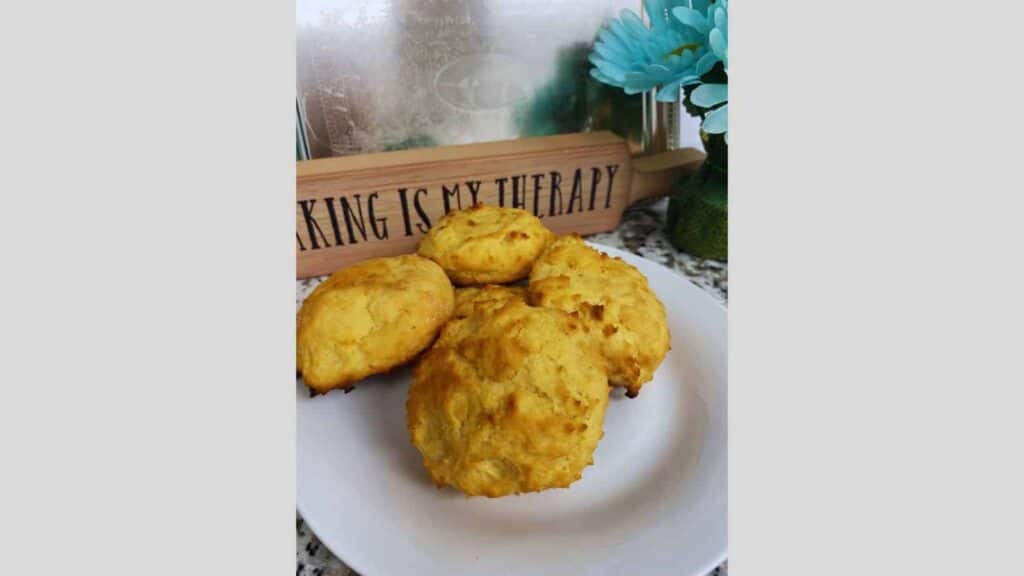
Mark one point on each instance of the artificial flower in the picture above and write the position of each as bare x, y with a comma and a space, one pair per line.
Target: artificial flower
712, 22
637, 58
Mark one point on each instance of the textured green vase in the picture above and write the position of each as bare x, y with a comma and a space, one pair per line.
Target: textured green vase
698, 212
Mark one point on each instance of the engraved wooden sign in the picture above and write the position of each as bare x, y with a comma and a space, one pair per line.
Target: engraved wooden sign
352, 208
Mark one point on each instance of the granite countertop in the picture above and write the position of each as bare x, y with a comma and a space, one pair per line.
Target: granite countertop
641, 232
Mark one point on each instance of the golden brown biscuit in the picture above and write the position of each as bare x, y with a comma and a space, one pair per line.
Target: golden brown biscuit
486, 244
613, 299
485, 298
369, 318
507, 401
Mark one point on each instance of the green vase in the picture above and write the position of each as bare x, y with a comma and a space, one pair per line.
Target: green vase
698, 212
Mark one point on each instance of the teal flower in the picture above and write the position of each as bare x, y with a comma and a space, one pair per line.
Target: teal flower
637, 58
685, 40
712, 22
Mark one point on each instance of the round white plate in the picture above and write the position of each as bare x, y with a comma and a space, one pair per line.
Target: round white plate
654, 502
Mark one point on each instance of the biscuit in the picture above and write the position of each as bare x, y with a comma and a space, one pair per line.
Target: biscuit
369, 318
613, 299
508, 400
486, 244
485, 298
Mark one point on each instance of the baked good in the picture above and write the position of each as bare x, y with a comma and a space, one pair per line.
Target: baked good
508, 400
488, 297
613, 299
370, 317
485, 244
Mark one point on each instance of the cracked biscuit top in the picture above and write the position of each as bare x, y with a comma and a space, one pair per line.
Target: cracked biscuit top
370, 317
486, 244
508, 400
485, 298
615, 302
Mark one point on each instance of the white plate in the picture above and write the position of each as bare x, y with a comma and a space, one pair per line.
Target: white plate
654, 502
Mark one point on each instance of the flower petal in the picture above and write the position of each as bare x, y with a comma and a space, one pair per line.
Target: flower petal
710, 95
611, 69
600, 77
655, 10
621, 31
658, 70
706, 63
692, 18
717, 121
688, 79
634, 24
635, 82
719, 46
669, 92
615, 43
609, 52
721, 18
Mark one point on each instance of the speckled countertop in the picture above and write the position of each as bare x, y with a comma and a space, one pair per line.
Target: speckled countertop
641, 232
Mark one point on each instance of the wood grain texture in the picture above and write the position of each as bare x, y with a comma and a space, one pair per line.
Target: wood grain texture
654, 176
352, 208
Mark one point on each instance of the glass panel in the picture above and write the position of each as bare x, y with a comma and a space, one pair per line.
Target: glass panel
379, 75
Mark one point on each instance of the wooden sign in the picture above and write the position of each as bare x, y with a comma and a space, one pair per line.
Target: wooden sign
352, 208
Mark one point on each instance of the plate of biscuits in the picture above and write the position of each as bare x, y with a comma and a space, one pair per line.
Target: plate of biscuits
511, 401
